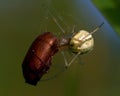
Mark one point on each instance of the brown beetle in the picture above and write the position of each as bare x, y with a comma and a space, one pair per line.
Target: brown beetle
38, 58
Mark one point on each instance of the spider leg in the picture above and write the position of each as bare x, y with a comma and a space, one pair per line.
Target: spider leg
67, 64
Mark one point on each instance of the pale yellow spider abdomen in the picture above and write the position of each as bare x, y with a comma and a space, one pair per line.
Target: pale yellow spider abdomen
82, 42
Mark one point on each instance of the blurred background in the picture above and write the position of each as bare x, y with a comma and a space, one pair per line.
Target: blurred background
21, 21
110, 10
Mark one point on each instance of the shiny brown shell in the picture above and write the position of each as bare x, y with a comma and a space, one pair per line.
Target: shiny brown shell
38, 58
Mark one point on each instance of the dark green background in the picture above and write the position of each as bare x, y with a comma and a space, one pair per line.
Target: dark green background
21, 21
110, 9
